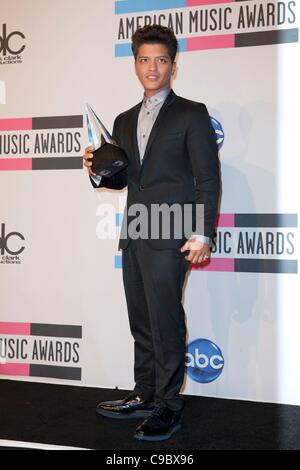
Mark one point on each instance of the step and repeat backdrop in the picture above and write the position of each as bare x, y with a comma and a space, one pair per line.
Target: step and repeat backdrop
63, 315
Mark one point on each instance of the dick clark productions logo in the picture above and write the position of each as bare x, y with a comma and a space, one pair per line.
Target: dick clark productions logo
204, 361
5, 42
4, 242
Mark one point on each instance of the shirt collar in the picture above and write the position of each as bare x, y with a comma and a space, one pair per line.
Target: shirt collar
157, 98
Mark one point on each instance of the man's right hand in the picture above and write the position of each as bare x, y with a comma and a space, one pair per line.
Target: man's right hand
88, 154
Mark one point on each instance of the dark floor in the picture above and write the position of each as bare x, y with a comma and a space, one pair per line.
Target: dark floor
65, 415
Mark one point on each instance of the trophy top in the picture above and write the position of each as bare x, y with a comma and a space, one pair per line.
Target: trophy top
97, 132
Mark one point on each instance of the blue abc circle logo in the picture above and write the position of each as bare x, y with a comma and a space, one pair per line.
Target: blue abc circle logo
204, 361
219, 131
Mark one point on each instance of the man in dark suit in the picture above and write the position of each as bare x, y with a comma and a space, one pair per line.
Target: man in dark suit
173, 160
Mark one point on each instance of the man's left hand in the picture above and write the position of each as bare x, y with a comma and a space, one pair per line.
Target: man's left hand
199, 251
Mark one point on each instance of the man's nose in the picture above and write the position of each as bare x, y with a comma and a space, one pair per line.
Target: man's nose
152, 65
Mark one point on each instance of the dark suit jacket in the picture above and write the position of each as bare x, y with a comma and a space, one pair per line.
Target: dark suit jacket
180, 164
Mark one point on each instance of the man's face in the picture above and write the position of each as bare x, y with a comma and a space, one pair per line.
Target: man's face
154, 68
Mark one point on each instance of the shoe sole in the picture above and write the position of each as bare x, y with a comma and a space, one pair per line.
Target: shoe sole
132, 415
163, 437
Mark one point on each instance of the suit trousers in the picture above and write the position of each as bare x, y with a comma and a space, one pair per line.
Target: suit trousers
153, 282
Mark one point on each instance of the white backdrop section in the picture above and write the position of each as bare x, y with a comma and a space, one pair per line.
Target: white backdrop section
67, 274
2, 92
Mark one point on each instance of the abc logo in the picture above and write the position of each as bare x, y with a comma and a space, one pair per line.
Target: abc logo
204, 361
219, 131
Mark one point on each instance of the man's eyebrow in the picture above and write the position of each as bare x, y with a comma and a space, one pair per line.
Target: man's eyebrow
156, 57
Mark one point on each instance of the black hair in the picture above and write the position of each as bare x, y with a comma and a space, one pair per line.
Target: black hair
155, 34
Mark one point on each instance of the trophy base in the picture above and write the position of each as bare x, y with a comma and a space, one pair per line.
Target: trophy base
108, 160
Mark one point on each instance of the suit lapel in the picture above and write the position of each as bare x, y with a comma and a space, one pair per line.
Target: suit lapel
133, 132
154, 131
157, 125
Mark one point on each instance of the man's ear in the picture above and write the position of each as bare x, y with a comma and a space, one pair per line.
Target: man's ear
174, 65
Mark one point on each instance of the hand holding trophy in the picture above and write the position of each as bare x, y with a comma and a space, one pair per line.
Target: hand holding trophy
108, 158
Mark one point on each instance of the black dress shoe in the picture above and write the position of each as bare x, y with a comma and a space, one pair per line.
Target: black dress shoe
159, 426
132, 406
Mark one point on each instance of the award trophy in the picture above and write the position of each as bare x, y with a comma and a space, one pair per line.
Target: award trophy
108, 158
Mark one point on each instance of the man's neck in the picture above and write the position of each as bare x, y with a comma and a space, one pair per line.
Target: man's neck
151, 93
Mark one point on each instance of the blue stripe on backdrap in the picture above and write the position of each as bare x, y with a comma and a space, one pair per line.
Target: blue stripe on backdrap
123, 50
119, 218
118, 261
131, 6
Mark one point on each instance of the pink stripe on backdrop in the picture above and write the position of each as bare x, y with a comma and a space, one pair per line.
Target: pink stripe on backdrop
191, 3
210, 42
16, 124
15, 328
7, 164
15, 369
216, 264
225, 220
